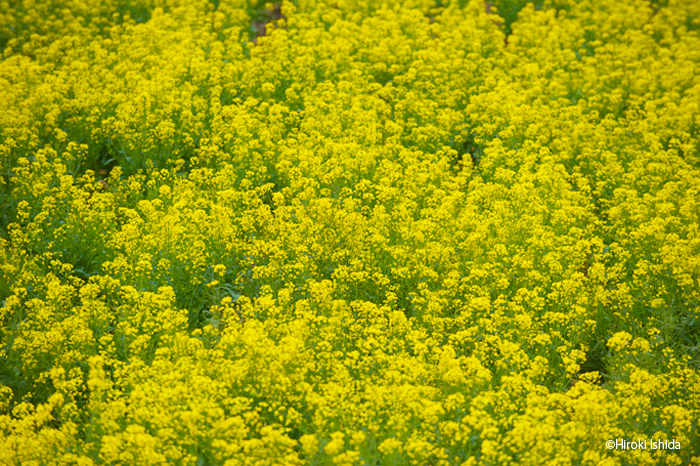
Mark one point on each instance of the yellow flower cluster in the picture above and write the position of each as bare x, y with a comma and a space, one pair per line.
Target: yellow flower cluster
349, 232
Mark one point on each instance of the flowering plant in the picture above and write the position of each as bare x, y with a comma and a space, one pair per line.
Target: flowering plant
349, 232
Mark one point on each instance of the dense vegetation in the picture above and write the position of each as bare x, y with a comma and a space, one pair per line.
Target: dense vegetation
345, 232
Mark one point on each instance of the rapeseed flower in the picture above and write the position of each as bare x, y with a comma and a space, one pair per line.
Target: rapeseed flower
349, 232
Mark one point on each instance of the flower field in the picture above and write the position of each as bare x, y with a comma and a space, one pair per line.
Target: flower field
349, 232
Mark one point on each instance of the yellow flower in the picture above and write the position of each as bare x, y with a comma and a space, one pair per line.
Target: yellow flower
619, 341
